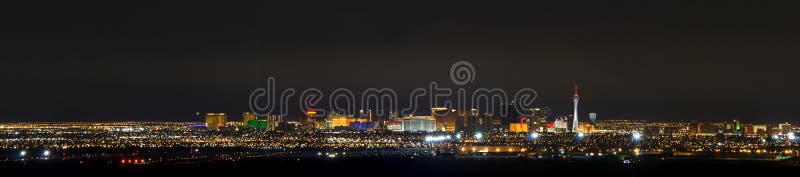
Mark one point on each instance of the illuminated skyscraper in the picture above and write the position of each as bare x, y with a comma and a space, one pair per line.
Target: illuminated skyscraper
445, 118
560, 124
269, 122
419, 123
474, 121
512, 113
340, 120
309, 123
785, 127
272, 121
215, 120
246, 117
575, 99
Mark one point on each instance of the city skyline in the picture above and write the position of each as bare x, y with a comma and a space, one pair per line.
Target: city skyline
386, 88
298, 114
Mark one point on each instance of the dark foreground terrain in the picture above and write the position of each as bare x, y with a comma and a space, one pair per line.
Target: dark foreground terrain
408, 167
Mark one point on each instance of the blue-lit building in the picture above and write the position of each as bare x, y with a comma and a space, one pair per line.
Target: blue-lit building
362, 125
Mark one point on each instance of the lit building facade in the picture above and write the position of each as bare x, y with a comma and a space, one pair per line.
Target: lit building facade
247, 117
785, 127
445, 118
419, 123
518, 127
215, 120
586, 128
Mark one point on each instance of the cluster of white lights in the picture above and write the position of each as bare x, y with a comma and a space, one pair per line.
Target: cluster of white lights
534, 135
791, 136
436, 138
581, 135
479, 135
592, 154
637, 135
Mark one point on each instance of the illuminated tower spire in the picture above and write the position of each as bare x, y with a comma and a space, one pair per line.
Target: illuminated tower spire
575, 99
575, 91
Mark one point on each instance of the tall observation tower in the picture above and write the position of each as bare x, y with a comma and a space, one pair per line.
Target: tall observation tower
575, 99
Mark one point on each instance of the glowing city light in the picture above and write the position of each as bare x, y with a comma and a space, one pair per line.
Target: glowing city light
479, 135
436, 138
458, 136
791, 136
637, 136
46, 153
534, 135
581, 135
22, 153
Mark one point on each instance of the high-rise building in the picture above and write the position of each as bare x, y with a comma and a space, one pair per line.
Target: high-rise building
593, 117
466, 121
512, 115
215, 120
473, 121
575, 99
341, 121
695, 128
586, 128
748, 129
446, 118
760, 129
419, 123
246, 117
310, 122
561, 124
785, 127
538, 122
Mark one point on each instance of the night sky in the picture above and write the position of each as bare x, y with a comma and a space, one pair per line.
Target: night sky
140, 60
